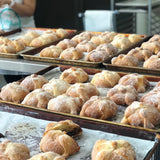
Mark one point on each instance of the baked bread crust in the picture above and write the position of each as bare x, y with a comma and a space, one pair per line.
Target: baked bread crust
38, 98
99, 108
13, 151
123, 95
113, 150
61, 33
74, 75
134, 38
105, 79
100, 39
58, 142
66, 43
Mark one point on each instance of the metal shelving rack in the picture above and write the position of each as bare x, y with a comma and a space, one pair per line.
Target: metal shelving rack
139, 6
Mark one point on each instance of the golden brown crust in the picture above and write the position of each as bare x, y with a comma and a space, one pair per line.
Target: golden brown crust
33, 82
66, 43
140, 53
105, 79
100, 39
134, 38
47, 156
13, 92
71, 53
38, 98
74, 75
61, 33
125, 60
113, 150
139, 82
141, 114
51, 51
6, 48
56, 86
97, 56
65, 104
18, 45
67, 126
14, 151
83, 91
58, 142
99, 107
109, 35
123, 95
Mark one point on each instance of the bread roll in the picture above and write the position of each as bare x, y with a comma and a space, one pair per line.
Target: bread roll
18, 45
74, 75
109, 35
4, 40
99, 108
66, 43
34, 82
6, 48
99, 39
134, 38
14, 151
58, 142
61, 33
113, 150
38, 98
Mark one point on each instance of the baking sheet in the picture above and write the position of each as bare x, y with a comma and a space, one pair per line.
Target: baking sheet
28, 130
34, 56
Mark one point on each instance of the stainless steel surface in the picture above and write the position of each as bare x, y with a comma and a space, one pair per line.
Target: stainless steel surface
21, 65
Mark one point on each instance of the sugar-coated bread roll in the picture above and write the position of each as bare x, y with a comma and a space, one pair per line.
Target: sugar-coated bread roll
33, 82
51, 51
47, 156
65, 104
125, 60
86, 46
66, 43
100, 39
74, 75
68, 126
140, 53
154, 38
71, 53
58, 142
37, 98
141, 114
14, 151
139, 82
134, 38
113, 150
109, 35
13, 92
153, 62
123, 95
61, 33
108, 47
56, 86
99, 108
105, 79
97, 56
83, 91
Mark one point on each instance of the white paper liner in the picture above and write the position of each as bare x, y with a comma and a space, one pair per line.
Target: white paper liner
28, 130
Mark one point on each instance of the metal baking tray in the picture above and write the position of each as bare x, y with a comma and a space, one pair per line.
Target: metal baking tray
112, 126
33, 49
137, 69
10, 32
34, 56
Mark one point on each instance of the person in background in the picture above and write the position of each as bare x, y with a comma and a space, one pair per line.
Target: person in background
17, 14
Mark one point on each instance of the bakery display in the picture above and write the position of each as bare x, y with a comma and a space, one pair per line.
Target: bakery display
139, 82
86, 46
153, 62
141, 114
66, 43
14, 151
125, 60
65, 104
51, 51
140, 53
58, 142
113, 150
37, 98
82, 90
68, 126
56, 86
47, 156
33, 82
105, 79
13, 92
99, 108
97, 56
71, 54
123, 95
74, 75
